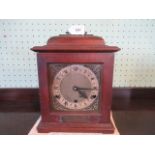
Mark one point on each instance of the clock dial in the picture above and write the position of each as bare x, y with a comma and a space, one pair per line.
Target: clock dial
75, 87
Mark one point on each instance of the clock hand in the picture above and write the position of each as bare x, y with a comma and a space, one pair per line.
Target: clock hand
82, 94
82, 88
86, 88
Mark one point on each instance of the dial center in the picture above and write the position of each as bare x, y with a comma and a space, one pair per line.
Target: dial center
75, 88
71, 84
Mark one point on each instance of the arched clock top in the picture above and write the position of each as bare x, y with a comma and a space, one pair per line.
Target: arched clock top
75, 43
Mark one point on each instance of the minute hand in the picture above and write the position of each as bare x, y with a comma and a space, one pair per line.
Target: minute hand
81, 88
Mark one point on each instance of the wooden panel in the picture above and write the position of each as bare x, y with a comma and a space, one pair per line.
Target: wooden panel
133, 99
15, 99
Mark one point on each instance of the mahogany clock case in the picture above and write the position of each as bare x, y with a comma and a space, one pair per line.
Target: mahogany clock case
81, 50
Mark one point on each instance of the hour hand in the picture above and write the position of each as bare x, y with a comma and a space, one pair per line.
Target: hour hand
82, 94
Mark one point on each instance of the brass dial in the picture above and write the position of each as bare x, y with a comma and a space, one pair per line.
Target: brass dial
75, 87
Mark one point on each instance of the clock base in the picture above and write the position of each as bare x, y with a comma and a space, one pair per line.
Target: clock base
45, 127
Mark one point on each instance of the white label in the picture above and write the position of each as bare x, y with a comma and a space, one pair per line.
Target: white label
77, 29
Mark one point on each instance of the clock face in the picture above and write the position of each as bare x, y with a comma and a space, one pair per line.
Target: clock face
75, 87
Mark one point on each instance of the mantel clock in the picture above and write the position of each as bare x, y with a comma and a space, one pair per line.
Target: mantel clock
75, 82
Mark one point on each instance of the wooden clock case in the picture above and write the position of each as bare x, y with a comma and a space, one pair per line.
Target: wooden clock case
76, 49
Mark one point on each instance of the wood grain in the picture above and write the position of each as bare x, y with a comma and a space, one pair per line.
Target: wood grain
27, 99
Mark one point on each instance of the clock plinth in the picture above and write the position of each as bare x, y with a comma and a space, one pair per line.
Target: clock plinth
75, 83
45, 127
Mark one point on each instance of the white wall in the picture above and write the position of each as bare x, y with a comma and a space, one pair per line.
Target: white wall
134, 64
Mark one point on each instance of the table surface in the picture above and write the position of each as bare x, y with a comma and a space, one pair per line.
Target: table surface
34, 131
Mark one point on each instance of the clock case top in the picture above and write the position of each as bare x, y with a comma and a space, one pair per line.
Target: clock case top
76, 49
75, 43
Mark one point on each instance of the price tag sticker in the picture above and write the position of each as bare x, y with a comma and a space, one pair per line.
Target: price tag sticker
77, 30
